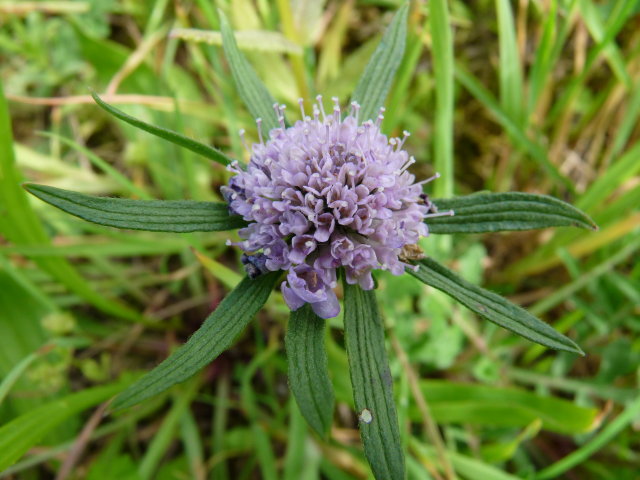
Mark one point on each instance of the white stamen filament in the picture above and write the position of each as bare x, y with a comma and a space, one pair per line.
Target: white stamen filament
409, 162
259, 125
430, 179
447, 213
321, 107
355, 109
410, 267
336, 109
241, 133
405, 135
302, 112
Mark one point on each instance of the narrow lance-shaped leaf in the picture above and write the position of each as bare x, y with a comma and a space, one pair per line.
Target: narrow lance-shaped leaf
372, 383
251, 89
491, 306
379, 73
150, 215
308, 373
215, 335
174, 137
495, 212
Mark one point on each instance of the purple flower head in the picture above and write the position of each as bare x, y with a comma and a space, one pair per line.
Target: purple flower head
326, 193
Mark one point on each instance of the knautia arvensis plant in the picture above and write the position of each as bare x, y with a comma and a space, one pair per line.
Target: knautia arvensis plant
326, 199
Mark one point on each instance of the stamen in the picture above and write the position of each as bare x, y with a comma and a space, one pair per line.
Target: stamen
321, 106
336, 109
380, 116
302, 113
430, 179
405, 135
281, 109
355, 107
259, 125
447, 213
409, 162
316, 113
241, 133
411, 267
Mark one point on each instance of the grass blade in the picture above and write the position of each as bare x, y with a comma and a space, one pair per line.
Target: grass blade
443, 69
602, 439
374, 84
217, 333
372, 383
488, 405
513, 129
20, 225
496, 212
150, 215
308, 374
511, 95
174, 137
22, 433
493, 307
253, 92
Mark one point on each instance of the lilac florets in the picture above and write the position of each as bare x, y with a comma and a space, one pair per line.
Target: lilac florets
326, 193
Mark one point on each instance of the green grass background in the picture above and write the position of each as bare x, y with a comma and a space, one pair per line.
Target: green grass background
535, 95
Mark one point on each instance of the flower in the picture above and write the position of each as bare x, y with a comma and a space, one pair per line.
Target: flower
325, 193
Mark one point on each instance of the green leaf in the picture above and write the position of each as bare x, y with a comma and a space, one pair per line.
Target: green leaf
151, 215
375, 82
24, 432
251, 89
493, 307
308, 373
372, 383
217, 333
174, 137
495, 212
489, 406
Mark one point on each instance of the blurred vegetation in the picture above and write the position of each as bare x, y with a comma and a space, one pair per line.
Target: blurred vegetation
546, 99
